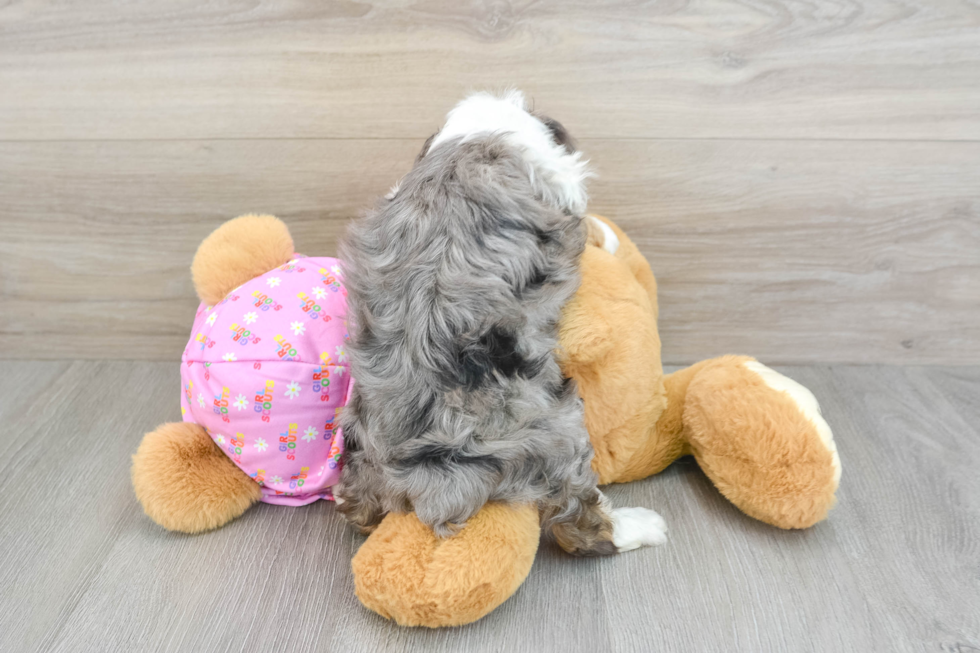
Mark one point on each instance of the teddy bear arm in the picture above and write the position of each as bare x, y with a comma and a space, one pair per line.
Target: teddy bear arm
586, 331
186, 483
584, 334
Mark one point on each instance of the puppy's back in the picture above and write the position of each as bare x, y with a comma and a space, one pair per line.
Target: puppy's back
455, 287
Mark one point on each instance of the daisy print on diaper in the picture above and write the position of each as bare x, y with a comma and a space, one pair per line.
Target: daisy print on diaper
266, 374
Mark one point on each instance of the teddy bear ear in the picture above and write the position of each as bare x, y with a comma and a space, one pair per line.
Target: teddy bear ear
601, 234
238, 251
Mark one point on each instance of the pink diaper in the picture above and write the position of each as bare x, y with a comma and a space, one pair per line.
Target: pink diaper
266, 374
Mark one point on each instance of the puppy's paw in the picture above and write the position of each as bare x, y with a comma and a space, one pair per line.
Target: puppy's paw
636, 527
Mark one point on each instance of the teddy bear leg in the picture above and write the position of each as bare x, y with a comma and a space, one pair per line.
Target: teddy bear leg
186, 483
760, 438
406, 573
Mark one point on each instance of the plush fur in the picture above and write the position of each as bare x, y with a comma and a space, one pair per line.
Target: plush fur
432, 581
181, 478
186, 483
756, 443
455, 286
771, 462
611, 348
757, 435
237, 251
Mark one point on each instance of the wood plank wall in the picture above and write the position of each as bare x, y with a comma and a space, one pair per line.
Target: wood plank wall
803, 176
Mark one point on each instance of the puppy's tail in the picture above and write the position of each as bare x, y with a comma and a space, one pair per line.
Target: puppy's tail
237, 251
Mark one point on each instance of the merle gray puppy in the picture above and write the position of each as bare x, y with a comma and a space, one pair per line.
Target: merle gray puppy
455, 287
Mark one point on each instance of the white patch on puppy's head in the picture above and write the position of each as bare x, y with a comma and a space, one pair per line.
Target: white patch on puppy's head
559, 173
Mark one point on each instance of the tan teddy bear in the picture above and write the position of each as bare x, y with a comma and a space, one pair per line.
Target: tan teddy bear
756, 434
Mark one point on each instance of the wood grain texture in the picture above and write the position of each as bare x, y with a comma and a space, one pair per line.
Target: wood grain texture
805, 177
614, 68
895, 568
789, 251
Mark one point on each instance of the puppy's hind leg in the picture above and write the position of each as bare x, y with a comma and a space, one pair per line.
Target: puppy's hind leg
356, 494
595, 529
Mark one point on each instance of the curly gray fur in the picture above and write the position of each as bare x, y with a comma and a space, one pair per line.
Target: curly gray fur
455, 287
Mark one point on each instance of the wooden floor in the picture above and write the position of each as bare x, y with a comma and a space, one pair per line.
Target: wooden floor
895, 568
804, 176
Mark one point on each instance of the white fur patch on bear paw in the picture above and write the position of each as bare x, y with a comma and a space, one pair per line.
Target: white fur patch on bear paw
807, 404
636, 527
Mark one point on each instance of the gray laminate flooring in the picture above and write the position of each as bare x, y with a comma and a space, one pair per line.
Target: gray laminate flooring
895, 568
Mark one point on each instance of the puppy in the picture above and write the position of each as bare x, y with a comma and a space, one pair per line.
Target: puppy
455, 286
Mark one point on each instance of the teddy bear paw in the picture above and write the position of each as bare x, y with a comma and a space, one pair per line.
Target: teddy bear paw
805, 402
636, 527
